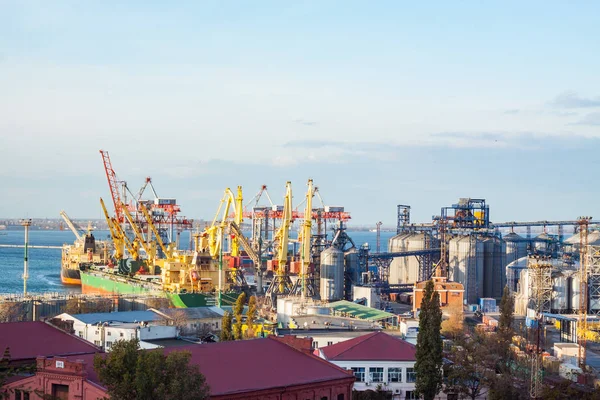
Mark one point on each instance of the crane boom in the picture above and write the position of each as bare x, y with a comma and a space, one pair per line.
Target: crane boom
138, 233
119, 237
238, 218
245, 243
283, 233
70, 224
113, 184
148, 217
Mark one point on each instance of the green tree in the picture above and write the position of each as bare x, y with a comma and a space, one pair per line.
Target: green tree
226, 327
238, 311
507, 311
251, 316
472, 367
428, 365
129, 373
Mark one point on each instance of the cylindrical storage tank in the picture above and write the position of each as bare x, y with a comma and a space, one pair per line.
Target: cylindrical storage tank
541, 241
466, 262
332, 274
575, 292
513, 273
406, 269
352, 267
559, 303
516, 247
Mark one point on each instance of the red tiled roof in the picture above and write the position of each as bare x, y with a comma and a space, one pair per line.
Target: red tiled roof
376, 346
275, 364
28, 340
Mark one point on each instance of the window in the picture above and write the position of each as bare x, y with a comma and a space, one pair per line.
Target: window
25, 395
97, 342
329, 343
108, 345
376, 374
121, 334
315, 344
133, 335
411, 375
217, 325
108, 333
60, 392
394, 374
359, 373
410, 395
97, 332
18, 395
340, 396
80, 333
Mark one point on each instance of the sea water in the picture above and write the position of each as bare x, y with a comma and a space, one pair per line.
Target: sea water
44, 264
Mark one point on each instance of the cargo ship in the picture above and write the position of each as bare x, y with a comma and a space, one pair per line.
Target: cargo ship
86, 251
187, 281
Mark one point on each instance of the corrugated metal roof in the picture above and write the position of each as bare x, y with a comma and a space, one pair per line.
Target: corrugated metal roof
121, 316
360, 311
194, 312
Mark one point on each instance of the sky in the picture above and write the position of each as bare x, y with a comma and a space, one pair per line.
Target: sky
380, 103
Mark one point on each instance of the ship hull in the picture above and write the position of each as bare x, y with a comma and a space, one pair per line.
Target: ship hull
102, 283
69, 276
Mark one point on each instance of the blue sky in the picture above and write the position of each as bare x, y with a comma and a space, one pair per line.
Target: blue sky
380, 104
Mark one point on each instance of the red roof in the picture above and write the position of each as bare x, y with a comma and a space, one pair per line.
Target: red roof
28, 340
220, 363
376, 346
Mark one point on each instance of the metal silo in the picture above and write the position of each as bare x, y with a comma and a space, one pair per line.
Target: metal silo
331, 284
466, 262
560, 291
352, 267
494, 275
542, 241
516, 247
406, 269
513, 273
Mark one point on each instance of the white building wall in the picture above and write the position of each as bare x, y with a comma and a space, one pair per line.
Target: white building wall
371, 381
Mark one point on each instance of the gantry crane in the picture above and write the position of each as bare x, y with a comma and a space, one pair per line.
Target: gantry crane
113, 185
281, 283
148, 246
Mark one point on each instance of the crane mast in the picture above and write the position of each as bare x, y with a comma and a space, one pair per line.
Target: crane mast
281, 283
306, 234
166, 250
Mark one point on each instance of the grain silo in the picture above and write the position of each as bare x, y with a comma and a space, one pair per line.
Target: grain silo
352, 266
516, 247
466, 263
494, 275
406, 269
331, 283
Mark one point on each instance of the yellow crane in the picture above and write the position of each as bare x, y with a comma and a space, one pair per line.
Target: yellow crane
306, 235
148, 246
212, 236
281, 283
167, 250
119, 237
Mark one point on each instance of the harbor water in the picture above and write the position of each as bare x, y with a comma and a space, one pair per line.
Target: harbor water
44, 264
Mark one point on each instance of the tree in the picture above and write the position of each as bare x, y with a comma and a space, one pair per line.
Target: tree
251, 316
473, 366
7, 370
428, 365
226, 327
129, 373
453, 326
238, 311
507, 310
12, 312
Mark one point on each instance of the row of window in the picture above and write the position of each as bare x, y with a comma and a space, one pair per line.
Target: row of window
376, 374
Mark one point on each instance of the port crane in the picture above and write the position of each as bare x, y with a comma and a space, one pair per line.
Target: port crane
148, 246
281, 283
76, 231
305, 285
119, 237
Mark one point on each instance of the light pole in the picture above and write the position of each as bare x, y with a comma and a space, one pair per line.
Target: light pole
26, 223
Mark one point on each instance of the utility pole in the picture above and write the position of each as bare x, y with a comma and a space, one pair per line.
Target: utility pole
26, 223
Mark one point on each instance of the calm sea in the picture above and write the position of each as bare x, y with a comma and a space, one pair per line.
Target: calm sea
44, 264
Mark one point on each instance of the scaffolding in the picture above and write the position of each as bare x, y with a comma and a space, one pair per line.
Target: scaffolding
593, 281
540, 283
